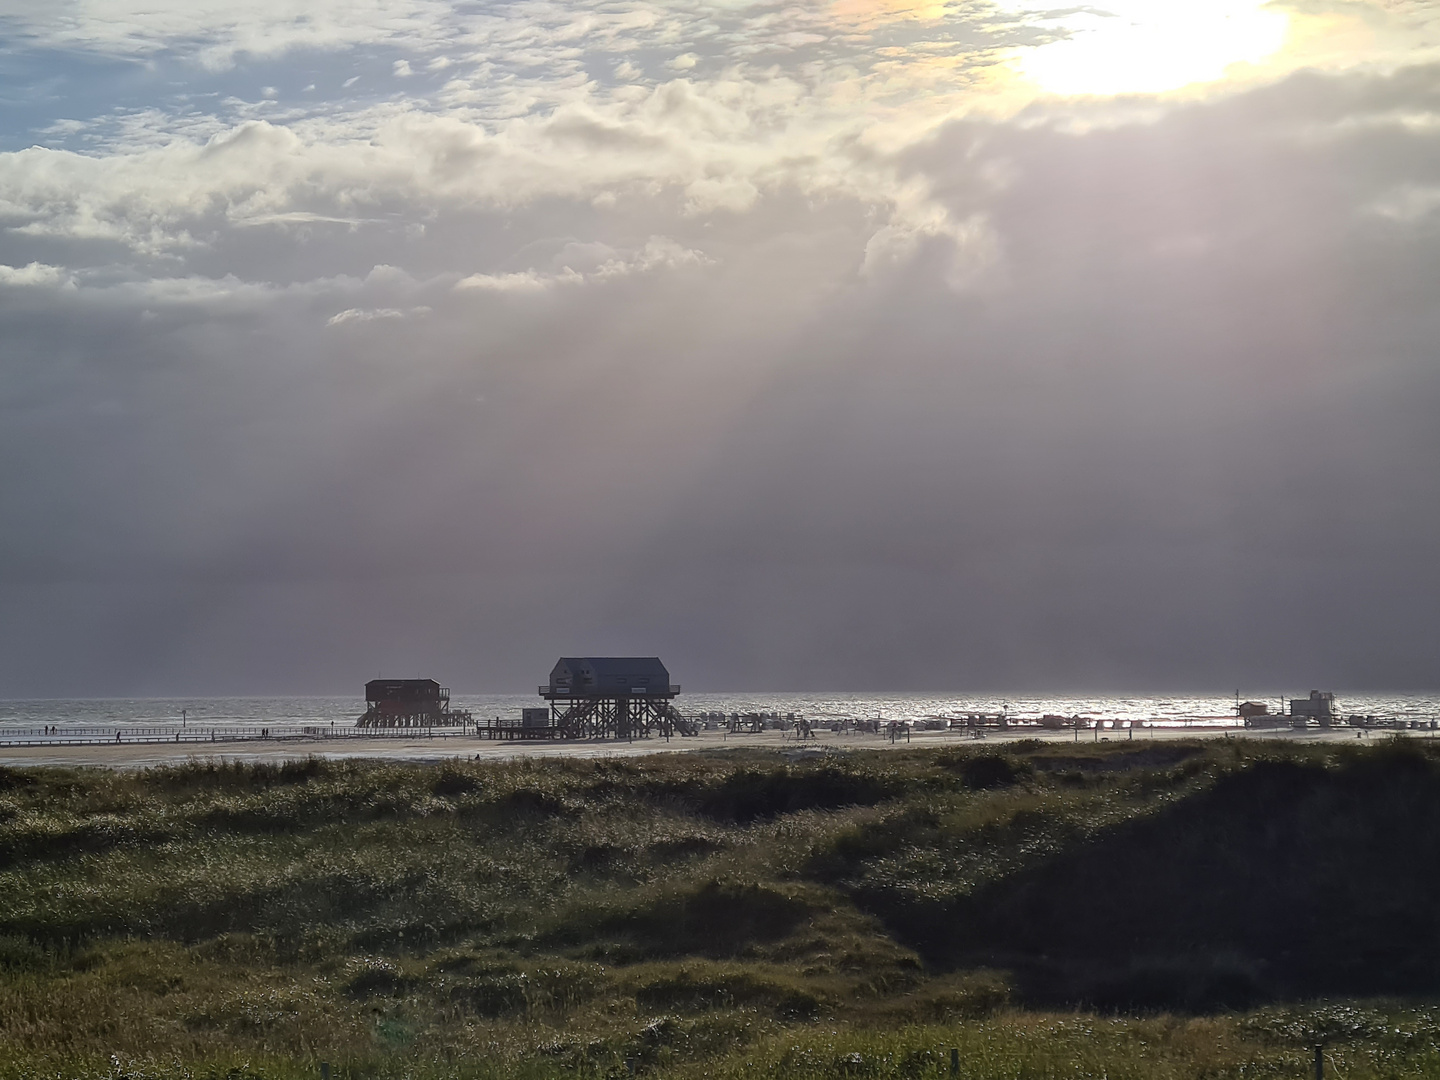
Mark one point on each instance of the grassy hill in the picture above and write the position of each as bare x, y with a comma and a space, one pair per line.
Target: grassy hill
1139, 909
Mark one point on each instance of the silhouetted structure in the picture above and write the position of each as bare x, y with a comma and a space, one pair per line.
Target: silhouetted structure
530, 724
1257, 714
391, 703
620, 697
1319, 706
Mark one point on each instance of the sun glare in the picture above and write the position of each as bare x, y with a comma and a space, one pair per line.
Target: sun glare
1151, 46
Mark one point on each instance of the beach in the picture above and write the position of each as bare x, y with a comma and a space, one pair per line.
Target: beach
437, 748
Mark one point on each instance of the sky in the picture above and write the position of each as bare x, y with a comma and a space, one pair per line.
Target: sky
847, 345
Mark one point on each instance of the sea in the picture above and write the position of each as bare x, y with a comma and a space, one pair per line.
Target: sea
48, 718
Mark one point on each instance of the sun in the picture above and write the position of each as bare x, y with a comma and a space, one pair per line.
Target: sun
1151, 46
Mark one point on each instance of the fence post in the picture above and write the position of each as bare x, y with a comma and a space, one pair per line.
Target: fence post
954, 1061
1319, 1063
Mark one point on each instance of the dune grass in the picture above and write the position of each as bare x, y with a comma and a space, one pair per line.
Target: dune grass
1159, 910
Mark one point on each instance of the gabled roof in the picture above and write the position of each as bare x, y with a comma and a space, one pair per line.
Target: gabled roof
612, 667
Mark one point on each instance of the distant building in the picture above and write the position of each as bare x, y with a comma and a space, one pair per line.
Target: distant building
1319, 706
609, 676
408, 703
613, 697
1256, 714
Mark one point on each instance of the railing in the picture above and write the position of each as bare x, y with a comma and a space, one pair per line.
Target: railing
515, 727
60, 735
590, 691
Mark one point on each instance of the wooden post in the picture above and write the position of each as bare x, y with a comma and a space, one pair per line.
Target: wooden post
1319, 1063
954, 1061
324, 1070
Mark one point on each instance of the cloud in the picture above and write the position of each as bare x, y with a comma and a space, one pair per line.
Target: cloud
814, 364
35, 275
659, 252
221, 31
182, 194
1406, 204
162, 183
579, 264
526, 281
971, 247
364, 315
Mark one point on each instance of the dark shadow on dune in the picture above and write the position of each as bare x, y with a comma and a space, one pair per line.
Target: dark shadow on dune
1282, 881
748, 795
717, 919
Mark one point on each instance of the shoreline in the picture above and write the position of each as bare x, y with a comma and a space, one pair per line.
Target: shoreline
421, 749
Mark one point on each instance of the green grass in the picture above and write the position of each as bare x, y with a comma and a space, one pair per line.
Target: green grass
1177, 910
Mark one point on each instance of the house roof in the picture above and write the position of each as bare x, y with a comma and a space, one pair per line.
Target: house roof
390, 689
616, 667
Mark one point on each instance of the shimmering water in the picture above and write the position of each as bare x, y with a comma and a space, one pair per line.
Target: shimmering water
222, 713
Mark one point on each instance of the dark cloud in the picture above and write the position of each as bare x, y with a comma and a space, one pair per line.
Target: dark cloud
1171, 424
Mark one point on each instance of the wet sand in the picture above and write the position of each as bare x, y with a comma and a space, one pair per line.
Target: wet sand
421, 749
